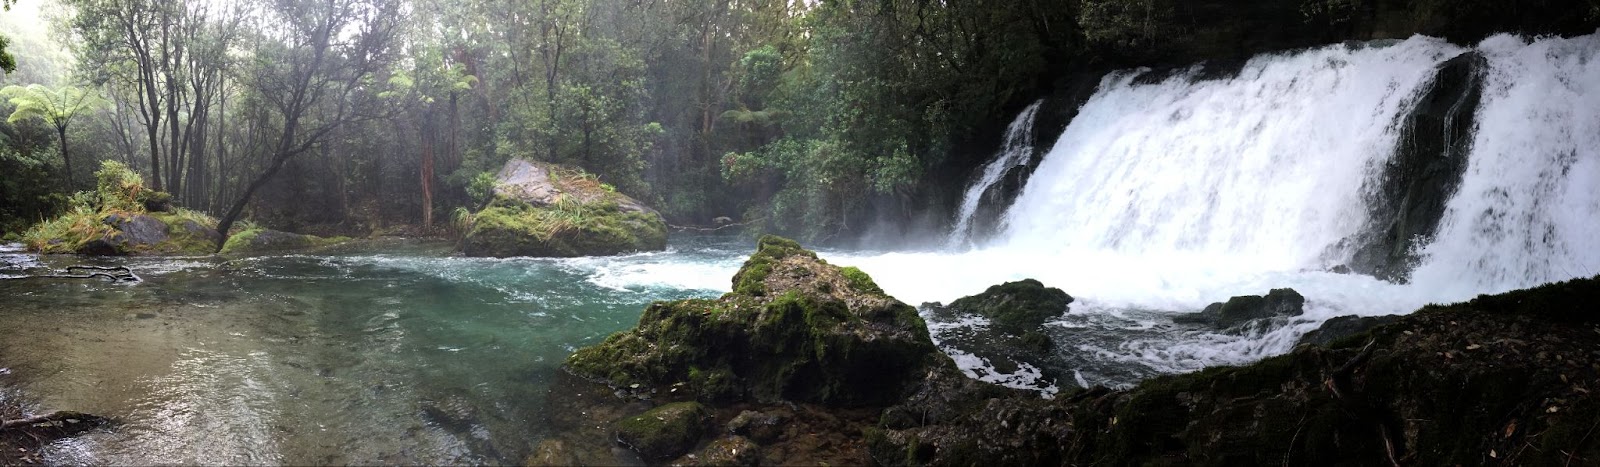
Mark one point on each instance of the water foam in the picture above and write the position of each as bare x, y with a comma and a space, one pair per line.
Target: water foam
1528, 209
1161, 198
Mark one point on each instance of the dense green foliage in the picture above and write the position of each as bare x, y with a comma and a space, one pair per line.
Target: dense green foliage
817, 120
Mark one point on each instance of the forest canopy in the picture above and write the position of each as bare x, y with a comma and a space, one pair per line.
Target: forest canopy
811, 119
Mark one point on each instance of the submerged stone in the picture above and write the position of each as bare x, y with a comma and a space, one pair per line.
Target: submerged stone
664, 432
726, 451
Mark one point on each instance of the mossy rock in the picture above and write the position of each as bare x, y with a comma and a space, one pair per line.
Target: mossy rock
509, 228
124, 233
265, 241
1021, 305
1500, 379
794, 329
546, 210
1245, 309
664, 432
731, 451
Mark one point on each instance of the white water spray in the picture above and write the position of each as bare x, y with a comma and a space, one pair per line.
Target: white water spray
1016, 150
1528, 209
1264, 169
1161, 198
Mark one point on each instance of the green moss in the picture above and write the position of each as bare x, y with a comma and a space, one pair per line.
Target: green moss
1021, 305
664, 432
770, 249
240, 242
860, 280
511, 228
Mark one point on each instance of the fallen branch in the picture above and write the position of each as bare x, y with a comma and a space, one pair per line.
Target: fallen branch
37, 431
116, 274
714, 229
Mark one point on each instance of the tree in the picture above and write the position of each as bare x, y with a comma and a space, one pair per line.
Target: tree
56, 106
312, 62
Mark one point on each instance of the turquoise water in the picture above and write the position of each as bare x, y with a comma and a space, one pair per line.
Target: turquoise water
387, 352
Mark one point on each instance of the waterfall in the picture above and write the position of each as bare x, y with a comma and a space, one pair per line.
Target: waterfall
1528, 209
1168, 192
1263, 169
1266, 170
1016, 150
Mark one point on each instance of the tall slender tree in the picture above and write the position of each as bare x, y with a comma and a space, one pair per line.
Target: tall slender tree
56, 106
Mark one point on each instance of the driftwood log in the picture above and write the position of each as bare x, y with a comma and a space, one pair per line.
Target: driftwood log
116, 274
21, 439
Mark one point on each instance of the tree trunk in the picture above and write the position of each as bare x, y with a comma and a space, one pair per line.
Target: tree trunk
61, 131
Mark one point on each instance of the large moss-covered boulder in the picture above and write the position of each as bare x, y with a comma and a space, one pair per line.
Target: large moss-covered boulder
795, 328
1022, 305
547, 210
121, 217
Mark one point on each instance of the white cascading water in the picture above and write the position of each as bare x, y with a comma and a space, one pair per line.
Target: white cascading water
1162, 198
1015, 150
1528, 210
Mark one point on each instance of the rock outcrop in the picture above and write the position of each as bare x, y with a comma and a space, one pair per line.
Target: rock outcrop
1246, 309
547, 210
1501, 379
1407, 203
795, 328
1015, 340
806, 362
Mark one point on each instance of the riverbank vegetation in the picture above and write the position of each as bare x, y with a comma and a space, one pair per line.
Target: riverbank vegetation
820, 120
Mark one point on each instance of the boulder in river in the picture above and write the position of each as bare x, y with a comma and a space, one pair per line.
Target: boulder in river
1022, 305
1247, 308
548, 210
1015, 342
262, 241
795, 328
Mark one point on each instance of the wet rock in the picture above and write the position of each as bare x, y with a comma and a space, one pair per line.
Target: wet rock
542, 209
1344, 326
1408, 201
794, 329
1015, 341
664, 432
762, 427
258, 241
725, 451
552, 452
1247, 308
138, 230
1022, 305
130, 233
1504, 378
